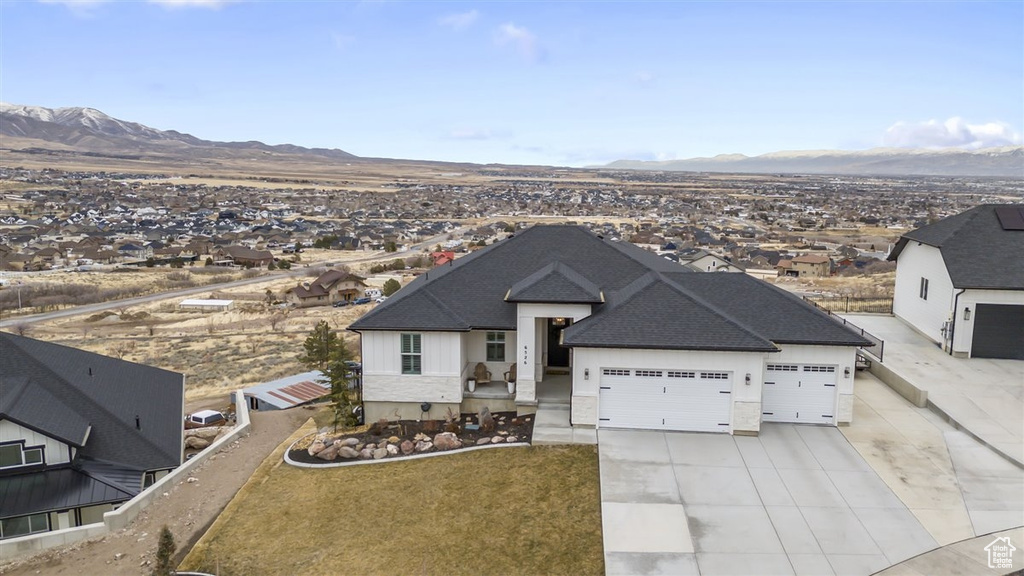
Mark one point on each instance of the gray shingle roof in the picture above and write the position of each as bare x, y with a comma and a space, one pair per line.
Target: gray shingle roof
38, 409
105, 392
651, 302
977, 251
555, 282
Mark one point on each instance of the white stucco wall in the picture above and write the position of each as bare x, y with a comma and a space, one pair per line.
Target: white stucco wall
54, 451
842, 357
530, 348
964, 330
922, 261
442, 364
586, 391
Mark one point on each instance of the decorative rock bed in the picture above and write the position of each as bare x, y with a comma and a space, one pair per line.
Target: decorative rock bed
401, 438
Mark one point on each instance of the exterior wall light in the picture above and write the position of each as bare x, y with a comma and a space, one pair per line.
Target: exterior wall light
746, 379
846, 372
967, 313
586, 373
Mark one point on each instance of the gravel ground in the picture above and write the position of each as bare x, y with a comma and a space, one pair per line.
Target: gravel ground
188, 509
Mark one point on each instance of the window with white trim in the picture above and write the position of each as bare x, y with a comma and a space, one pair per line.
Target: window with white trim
412, 354
715, 375
679, 374
24, 525
924, 289
13, 455
495, 346
615, 372
819, 368
649, 373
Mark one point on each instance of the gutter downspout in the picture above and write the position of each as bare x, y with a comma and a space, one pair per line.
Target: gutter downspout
952, 325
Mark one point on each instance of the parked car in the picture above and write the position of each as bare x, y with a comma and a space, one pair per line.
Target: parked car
359, 301
205, 418
381, 299
353, 366
341, 303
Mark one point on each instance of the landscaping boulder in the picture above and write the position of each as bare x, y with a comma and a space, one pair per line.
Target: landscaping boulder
329, 453
349, 441
316, 447
447, 441
422, 446
347, 452
483, 441
394, 440
366, 454
382, 444
392, 449
196, 442
407, 447
380, 453
206, 433
497, 439
511, 439
486, 420
421, 437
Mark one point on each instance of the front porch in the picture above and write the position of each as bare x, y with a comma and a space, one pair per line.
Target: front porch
555, 390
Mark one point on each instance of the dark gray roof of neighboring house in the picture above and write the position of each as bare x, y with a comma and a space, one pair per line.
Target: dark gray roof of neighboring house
107, 393
51, 490
38, 408
555, 282
650, 302
977, 251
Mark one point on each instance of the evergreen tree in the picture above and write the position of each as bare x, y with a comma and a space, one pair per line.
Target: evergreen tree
390, 287
164, 552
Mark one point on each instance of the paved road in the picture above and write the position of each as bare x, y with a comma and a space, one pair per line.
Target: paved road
101, 306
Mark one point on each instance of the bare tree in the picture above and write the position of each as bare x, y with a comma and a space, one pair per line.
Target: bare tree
122, 348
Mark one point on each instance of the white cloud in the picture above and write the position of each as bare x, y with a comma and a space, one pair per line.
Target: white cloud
459, 21
953, 133
524, 41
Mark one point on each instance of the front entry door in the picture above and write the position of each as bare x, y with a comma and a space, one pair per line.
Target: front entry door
558, 355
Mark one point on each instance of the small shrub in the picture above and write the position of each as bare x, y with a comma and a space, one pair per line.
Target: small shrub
431, 426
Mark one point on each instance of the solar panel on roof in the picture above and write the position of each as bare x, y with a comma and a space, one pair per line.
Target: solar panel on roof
1011, 217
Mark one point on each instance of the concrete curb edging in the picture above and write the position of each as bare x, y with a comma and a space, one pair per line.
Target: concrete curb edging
899, 384
117, 519
288, 460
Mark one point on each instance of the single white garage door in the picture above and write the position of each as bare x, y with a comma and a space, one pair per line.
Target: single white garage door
690, 400
803, 393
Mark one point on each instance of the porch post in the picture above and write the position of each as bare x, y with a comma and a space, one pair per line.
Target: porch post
526, 358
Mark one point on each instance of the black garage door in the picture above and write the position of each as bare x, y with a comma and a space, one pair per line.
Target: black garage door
998, 332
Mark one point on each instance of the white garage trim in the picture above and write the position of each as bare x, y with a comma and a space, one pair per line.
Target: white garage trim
665, 399
802, 393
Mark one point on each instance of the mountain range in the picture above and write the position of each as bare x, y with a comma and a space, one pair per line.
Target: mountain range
89, 132
1005, 162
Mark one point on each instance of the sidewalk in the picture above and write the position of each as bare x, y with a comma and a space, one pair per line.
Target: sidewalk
982, 396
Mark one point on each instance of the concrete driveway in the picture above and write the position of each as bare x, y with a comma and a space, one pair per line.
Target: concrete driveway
794, 500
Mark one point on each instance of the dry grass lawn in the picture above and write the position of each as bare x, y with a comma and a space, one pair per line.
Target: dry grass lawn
533, 510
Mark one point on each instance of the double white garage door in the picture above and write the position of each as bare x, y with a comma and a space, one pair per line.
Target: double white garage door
701, 401
665, 399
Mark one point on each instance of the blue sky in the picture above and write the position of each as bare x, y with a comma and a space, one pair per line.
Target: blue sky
565, 83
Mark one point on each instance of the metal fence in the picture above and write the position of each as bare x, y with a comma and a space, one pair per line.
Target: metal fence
879, 348
846, 304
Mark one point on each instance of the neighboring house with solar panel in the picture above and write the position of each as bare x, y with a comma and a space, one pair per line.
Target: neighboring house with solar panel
80, 433
960, 281
287, 392
619, 336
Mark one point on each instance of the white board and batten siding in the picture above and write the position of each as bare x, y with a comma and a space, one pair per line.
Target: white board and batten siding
658, 399
54, 451
441, 360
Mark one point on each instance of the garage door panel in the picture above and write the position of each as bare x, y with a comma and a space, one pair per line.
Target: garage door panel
801, 393
998, 331
665, 400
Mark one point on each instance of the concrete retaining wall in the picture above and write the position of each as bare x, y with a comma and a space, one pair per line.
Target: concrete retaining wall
901, 385
123, 516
